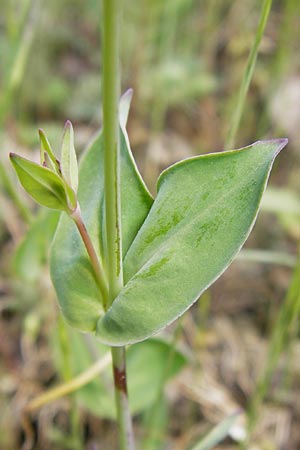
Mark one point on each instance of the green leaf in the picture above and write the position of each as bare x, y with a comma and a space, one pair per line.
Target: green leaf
47, 162
69, 166
145, 368
45, 149
203, 213
44, 186
32, 253
217, 434
71, 271
124, 109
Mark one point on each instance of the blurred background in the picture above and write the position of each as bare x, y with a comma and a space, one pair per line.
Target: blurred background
236, 349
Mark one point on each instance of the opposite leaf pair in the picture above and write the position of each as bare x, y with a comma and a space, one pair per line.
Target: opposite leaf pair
173, 247
53, 183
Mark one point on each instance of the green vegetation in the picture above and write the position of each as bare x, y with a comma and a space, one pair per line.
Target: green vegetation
126, 263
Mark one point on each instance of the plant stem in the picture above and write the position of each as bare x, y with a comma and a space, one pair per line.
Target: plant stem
97, 267
111, 93
247, 77
126, 438
111, 96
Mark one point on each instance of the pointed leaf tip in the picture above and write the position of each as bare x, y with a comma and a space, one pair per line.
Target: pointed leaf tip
124, 107
279, 142
46, 151
68, 124
69, 166
204, 211
127, 96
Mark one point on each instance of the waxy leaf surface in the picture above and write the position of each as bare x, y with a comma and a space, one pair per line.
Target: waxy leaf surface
71, 271
203, 213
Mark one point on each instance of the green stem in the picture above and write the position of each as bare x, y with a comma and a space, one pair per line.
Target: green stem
97, 267
126, 438
248, 74
111, 93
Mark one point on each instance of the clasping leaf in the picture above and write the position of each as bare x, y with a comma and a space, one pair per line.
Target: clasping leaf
174, 248
71, 272
203, 213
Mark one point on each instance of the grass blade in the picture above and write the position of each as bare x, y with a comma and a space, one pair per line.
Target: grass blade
249, 70
217, 434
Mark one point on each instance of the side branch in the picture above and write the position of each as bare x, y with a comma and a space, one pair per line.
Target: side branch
96, 264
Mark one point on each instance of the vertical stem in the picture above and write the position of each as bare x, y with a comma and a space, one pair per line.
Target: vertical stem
111, 88
126, 438
247, 77
111, 94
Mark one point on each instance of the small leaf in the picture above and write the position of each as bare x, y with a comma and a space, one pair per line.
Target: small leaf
49, 163
217, 434
44, 186
69, 166
204, 211
45, 149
